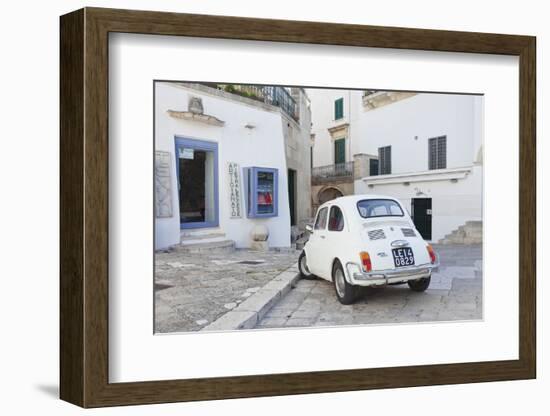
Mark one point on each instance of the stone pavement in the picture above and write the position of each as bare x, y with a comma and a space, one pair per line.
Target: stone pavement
455, 293
193, 290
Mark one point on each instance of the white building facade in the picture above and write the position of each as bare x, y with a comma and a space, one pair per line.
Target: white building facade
221, 167
425, 149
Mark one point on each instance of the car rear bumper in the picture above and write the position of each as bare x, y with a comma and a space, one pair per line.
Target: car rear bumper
385, 277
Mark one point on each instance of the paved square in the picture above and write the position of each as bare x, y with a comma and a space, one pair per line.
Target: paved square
192, 290
455, 293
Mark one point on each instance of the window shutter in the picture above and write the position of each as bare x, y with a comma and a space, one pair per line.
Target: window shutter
437, 158
442, 152
373, 167
339, 109
384, 157
340, 151
433, 154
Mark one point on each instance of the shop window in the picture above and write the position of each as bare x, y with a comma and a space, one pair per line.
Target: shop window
262, 192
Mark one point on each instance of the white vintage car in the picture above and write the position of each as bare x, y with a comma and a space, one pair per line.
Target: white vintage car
366, 240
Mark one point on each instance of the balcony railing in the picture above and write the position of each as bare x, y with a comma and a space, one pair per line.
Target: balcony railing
330, 173
277, 96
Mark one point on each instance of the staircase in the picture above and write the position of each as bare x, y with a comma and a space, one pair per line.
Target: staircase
204, 240
469, 233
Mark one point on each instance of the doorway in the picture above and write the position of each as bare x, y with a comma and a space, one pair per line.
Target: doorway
422, 216
197, 177
292, 195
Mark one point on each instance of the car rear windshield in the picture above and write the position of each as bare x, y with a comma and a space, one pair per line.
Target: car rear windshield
369, 208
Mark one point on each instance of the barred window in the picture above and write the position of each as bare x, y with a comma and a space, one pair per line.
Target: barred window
437, 152
384, 160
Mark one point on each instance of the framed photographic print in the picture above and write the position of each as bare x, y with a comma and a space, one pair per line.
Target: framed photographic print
256, 207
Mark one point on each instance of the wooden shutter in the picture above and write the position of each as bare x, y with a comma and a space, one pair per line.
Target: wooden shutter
339, 109
437, 158
340, 151
384, 157
373, 167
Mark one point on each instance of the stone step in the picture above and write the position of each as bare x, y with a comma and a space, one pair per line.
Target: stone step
469, 233
460, 235
219, 246
472, 227
474, 223
202, 235
199, 238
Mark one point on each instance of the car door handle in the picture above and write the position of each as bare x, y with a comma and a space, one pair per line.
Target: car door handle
322, 236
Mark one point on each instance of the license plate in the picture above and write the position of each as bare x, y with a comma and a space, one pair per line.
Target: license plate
403, 257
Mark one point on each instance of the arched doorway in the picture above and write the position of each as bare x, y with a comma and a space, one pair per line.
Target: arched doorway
328, 194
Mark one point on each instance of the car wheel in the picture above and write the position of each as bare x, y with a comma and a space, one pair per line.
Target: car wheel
419, 285
344, 291
302, 266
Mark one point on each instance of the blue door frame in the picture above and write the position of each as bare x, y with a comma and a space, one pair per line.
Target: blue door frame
195, 144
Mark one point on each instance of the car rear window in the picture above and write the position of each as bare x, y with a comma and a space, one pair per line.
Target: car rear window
369, 208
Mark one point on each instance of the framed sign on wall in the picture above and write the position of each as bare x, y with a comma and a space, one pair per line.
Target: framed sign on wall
393, 160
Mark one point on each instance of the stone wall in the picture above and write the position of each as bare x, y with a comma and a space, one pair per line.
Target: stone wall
298, 142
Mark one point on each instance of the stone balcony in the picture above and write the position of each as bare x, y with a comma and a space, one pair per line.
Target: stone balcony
339, 172
375, 99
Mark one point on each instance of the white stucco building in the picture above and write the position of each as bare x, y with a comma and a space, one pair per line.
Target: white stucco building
425, 149
223, 162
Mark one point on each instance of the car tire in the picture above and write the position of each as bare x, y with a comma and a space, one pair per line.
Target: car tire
419, 285
302, 267
344, 291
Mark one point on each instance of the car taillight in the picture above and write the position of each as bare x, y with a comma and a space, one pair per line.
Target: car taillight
431, 252
365, 261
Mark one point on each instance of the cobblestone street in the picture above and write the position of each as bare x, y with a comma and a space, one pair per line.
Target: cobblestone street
455, 293
193, 290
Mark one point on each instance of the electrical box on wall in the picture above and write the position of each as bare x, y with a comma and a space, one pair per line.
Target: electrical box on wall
262, 199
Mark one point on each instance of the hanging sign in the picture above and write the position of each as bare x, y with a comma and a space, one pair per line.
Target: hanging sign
186, 153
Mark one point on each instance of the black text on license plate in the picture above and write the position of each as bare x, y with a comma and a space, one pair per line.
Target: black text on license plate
403, 257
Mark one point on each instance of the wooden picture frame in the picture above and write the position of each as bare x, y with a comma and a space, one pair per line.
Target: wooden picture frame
84, 207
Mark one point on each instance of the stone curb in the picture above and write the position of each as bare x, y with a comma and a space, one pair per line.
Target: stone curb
253, 309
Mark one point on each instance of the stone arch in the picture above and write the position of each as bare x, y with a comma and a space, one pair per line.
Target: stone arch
328, 193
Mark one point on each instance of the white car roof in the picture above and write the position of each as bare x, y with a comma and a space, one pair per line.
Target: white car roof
350, 201
348, 204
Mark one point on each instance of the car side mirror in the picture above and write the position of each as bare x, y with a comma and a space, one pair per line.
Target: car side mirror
309, 228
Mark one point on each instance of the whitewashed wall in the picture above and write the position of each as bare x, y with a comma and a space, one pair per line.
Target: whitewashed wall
407, 125
322, 118
453, 203
262, 146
